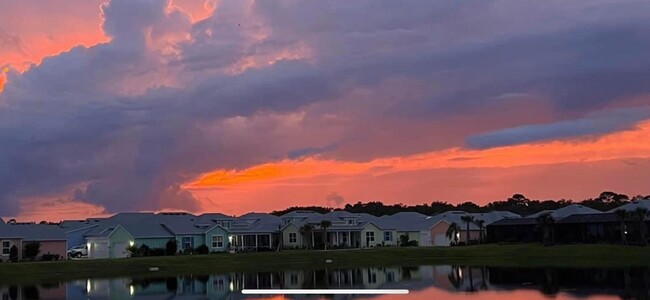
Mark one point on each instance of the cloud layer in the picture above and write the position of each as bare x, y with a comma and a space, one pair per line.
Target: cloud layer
155, 97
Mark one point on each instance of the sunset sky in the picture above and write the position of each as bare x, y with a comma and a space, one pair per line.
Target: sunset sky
240, 105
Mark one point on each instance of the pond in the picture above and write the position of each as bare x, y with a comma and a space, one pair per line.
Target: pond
422, 282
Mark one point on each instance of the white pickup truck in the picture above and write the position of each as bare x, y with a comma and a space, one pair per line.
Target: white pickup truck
78, 251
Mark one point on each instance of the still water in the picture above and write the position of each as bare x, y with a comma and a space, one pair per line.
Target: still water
423, 282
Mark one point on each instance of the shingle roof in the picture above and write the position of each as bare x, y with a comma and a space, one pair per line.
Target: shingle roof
590, 218
573, 209
212, 218
403, 221
256, 223
645, 203
33, 232
139, 225
511, 222
299, 214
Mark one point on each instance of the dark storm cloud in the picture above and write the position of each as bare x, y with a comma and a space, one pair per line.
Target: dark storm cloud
103, 121
597, 124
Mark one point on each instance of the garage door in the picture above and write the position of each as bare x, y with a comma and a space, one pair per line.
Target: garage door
99, 250
441, 240
425, 238
119, 250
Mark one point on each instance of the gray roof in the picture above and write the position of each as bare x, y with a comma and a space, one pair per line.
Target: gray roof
299, 214
645, 203
2, 221
139, 225
514, 222
573, 209
208, 218
590, 218
256, 223
32, 232
403, 221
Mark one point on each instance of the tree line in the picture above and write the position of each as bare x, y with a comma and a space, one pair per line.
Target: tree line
518, 204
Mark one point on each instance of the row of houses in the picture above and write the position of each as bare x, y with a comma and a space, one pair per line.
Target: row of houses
110, 237
576, 224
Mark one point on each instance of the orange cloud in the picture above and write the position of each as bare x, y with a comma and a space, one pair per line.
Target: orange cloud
609, 147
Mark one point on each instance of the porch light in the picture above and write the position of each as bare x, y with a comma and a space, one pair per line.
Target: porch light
457, 235
230, 239
131, 290
232, 286
131, 243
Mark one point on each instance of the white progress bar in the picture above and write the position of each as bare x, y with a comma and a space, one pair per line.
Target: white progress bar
325, 292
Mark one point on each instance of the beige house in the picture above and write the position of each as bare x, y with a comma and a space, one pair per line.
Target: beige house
52, 239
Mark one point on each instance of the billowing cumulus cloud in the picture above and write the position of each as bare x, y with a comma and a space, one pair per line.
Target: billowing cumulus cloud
165, 93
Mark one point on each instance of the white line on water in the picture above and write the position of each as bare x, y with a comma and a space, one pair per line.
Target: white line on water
326, 292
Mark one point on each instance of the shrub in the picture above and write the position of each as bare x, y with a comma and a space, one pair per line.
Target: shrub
157, 252
13, 253
203, 249
189, 250
50, 257
32, 249
135, 252
171, 247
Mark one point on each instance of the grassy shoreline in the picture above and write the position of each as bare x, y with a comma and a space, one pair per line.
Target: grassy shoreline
523, 255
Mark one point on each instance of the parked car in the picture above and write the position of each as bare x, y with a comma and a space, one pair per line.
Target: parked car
78, 251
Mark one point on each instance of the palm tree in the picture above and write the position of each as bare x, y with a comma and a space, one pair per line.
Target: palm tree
306, 230
324, 225
641, 213
467, 219
481, 227
452, 232
622, 216
545, 222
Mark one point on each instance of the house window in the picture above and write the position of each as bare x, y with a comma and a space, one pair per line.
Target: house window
388, 236
370, 236
6, 245
219, 285
217, 241
188, 241
292, 238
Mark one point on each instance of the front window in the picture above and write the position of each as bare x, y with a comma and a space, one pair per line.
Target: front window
292, 238
188, 241
217, 241
388, 236
370, 236
6, 245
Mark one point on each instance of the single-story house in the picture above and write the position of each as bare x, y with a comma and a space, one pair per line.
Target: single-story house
143, 227
524, 229
255, 231
52, 239
408, 224
191, 233
109, 242
593, 228
346, 230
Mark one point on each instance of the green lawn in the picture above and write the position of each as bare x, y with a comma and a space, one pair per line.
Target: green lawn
490, 255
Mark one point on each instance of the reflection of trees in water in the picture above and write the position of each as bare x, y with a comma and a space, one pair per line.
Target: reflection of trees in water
406, 272
550, 284
456, 276
172, 284
31, 292
13, 292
